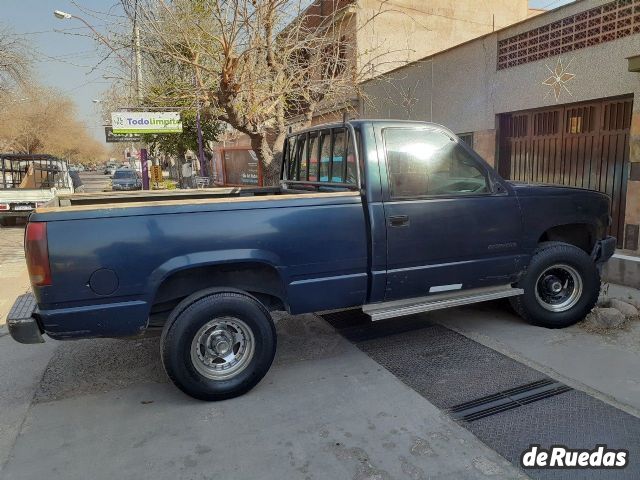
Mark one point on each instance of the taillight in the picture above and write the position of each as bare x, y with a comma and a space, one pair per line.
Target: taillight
37, 253
4, 206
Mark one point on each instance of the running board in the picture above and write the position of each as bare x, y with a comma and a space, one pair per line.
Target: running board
400, 308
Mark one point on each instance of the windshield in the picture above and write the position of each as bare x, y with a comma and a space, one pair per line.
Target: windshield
124, 174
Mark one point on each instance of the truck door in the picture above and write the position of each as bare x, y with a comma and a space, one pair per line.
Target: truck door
451, 223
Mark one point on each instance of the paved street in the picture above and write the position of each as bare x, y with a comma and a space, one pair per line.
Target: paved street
94, 181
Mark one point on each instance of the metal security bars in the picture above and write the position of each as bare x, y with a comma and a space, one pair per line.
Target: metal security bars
321, 158
605, 23
32, 171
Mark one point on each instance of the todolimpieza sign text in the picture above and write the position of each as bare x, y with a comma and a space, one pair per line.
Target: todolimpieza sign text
146, 122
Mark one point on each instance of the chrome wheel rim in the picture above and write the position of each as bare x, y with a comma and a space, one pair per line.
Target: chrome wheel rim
559, 288
222, 348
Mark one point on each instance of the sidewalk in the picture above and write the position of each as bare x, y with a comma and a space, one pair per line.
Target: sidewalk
14, 279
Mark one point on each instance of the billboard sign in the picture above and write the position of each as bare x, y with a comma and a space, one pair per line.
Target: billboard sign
146, 122
111, 137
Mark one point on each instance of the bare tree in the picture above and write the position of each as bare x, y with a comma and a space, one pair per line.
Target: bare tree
14, 60
256, 64
41, 120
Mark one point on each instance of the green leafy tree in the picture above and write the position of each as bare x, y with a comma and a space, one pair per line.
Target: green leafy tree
177, 144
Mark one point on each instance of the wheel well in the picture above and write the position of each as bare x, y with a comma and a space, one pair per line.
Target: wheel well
581, 235
258, 279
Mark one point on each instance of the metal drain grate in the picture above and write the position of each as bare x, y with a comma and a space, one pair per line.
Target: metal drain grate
506, 400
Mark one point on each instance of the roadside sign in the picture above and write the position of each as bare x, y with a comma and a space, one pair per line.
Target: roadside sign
111, 137
156, 174
146, 122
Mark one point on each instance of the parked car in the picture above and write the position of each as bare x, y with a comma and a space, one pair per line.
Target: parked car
404, 218
78, 185
28, 181
126, 179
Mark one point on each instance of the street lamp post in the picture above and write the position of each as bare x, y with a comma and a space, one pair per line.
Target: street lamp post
60, 15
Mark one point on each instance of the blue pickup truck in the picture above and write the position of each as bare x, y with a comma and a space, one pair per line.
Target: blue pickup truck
394, 217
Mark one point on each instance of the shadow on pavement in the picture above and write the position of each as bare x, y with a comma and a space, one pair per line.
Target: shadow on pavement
84, 367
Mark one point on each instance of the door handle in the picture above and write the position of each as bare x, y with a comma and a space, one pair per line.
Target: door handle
399, 221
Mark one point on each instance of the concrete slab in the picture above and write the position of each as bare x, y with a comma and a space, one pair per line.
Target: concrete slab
622, 269
604, 365
325, 410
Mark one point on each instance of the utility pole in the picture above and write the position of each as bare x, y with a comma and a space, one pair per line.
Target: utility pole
136, 42
136, 34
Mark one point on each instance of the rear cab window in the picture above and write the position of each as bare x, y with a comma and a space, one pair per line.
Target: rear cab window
322, 159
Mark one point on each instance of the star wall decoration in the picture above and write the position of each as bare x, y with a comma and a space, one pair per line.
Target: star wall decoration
558, 79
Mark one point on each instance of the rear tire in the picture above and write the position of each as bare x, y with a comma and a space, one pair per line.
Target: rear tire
8, 221
561, 286
218, 344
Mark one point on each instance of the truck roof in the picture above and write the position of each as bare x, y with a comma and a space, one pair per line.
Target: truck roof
360, 121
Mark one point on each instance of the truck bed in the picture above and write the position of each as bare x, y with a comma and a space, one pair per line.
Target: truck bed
140, 196
121, 204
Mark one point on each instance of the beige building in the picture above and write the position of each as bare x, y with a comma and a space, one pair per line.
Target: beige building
391, 33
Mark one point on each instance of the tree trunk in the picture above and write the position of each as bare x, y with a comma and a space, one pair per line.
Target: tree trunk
269, 156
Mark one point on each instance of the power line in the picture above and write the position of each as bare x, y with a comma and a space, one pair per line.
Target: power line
88, 82
458, 19
58, 30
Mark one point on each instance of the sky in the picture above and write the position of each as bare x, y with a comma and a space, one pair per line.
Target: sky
63, 60
66, 60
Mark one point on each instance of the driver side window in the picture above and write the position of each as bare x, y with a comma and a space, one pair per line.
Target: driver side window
425, 163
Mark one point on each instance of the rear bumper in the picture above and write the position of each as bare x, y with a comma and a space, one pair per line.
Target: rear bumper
603, 250
21, 321
118, 319
27, 323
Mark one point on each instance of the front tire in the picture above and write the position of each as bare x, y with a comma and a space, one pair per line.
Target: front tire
561, 286
218, 344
